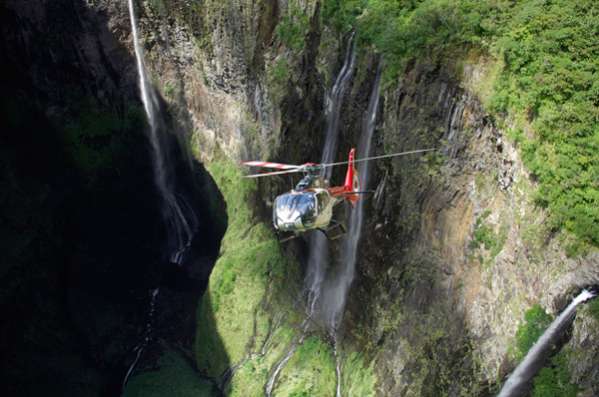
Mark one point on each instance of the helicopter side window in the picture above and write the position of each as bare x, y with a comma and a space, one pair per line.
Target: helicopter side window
322, 199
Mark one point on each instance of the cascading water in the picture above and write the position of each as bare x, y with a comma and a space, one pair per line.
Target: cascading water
518, 381
181, 224
318, 257
147, 335
335, 292
181, 221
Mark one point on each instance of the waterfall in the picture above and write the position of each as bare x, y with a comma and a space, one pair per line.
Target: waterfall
179, 217
335, 292
520, 378
270, 385
319, 248
139, 349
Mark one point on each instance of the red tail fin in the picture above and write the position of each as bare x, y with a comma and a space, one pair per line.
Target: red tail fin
352, 182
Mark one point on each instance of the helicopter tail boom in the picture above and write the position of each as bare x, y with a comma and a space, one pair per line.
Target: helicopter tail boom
351, 184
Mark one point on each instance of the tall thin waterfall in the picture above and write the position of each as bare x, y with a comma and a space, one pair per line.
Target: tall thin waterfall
179, 217
319, 249
335, 291
519, 380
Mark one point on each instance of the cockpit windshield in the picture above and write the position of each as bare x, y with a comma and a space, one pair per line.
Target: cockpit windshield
294, 210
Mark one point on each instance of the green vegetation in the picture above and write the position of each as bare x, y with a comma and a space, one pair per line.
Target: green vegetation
485, 236
158, 6
594, 308
293, 27
247, 318
310, 372
250, 262
546, 79
357, 380
551, 77
536, 321
342, 14
94, 139
280, 71
174, 377
554, 380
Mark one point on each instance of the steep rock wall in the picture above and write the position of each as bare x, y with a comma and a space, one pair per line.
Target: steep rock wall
458, 250
454, 249
82, 233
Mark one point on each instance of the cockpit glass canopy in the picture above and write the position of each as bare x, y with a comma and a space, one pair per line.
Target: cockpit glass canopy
292, 207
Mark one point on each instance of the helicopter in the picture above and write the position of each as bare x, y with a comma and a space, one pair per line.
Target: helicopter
309, 206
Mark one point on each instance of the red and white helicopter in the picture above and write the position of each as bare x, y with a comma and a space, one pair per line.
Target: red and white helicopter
309, 206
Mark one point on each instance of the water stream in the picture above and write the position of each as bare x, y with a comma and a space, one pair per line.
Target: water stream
179, 217
518, 381
139, 349
336, 290
319, 247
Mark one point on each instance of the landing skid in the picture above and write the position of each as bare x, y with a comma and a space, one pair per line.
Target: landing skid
334, 231
283, 237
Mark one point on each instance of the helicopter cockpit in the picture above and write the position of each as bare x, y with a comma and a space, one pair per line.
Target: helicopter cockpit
295, 211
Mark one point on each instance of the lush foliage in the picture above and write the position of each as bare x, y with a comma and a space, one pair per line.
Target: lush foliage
552, 77
554, 379
293, 27
536, 321
549, 80
594, 308
174, 377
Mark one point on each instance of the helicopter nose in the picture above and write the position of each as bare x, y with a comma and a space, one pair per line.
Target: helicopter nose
289, 223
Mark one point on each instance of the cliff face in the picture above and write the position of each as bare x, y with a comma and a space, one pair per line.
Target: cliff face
82, 231
454, 250
459, 251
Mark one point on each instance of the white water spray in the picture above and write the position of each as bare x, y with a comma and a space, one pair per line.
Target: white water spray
270, 385
318, 256
181, 225
319, 248
139, 349
337, 287
518, 381
336, 290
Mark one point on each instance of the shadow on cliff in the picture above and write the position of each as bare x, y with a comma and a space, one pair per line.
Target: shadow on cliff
405, 276
81, 231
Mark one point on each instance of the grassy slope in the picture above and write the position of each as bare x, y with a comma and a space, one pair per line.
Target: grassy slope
249, 315
174, 377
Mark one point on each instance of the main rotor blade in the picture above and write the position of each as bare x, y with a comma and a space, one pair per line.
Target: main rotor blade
273, 173
267, 164
383, 156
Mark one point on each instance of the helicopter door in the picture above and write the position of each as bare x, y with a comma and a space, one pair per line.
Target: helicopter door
324, 208
323, 200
